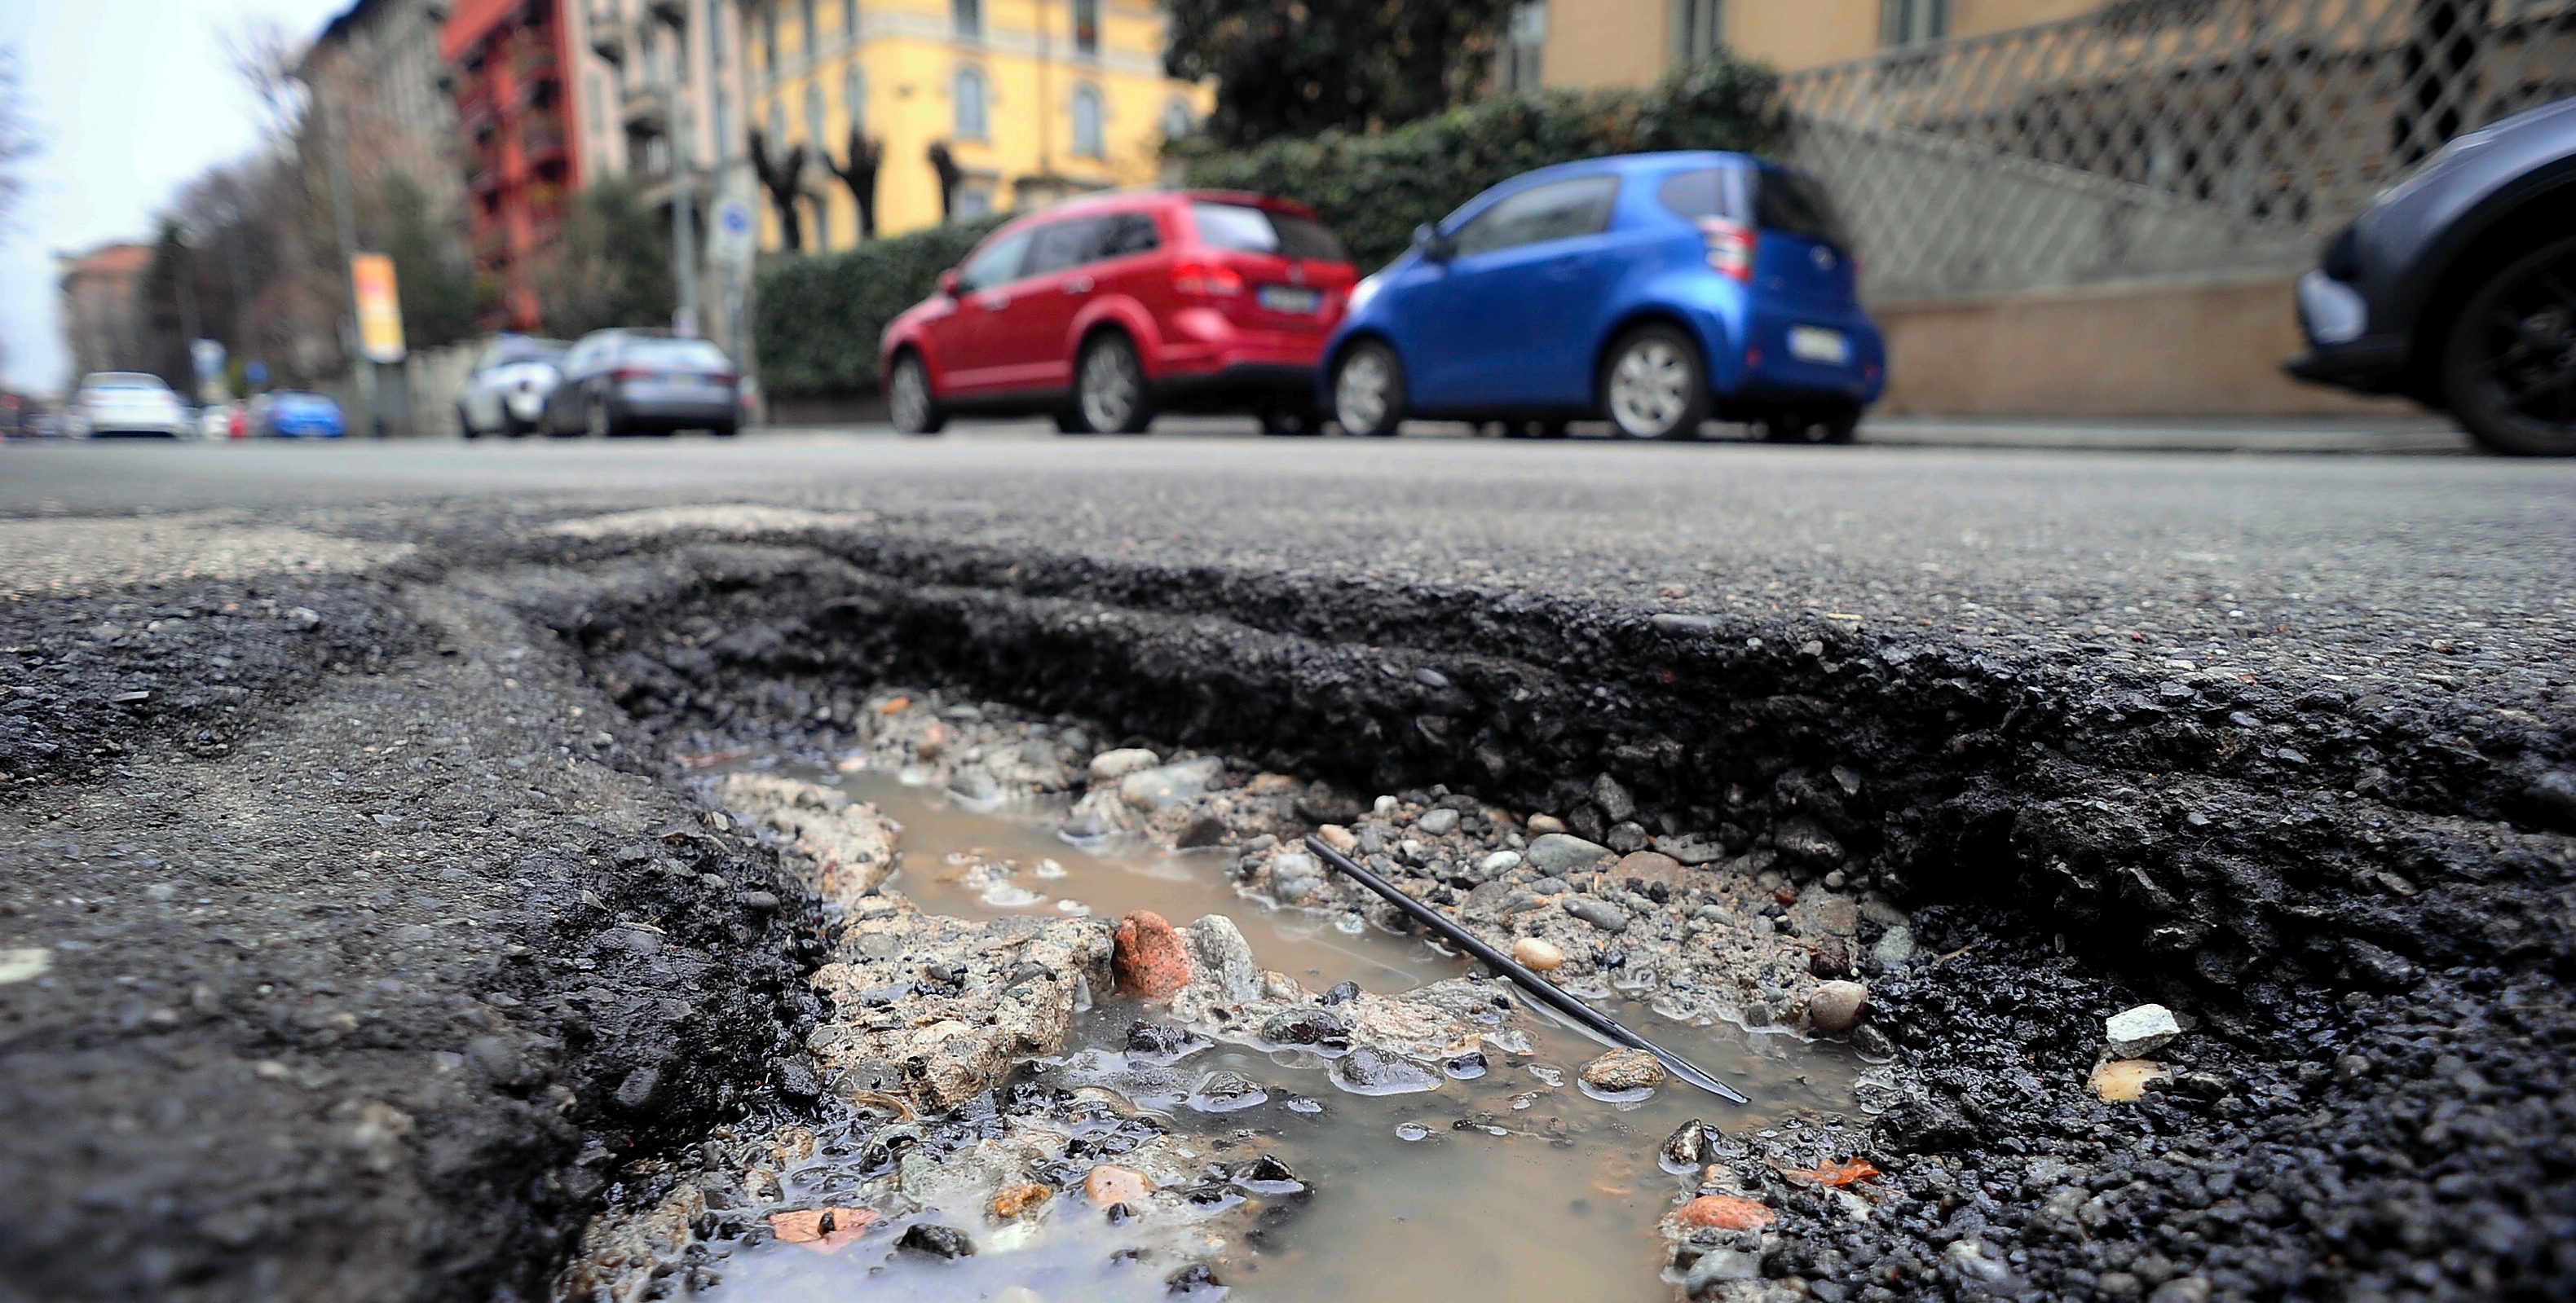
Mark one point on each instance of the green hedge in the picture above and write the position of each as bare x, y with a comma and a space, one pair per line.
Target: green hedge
1374, 188
817, 316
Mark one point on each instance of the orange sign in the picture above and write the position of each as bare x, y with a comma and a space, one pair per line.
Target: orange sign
380, 333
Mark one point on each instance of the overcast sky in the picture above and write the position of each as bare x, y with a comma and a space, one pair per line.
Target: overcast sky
131, 98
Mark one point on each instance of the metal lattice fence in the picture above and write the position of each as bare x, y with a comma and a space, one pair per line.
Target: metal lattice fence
2157, 139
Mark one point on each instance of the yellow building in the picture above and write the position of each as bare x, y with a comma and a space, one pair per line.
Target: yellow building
1035, 100
1592, 43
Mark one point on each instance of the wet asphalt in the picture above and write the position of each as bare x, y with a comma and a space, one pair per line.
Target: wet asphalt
2297, 652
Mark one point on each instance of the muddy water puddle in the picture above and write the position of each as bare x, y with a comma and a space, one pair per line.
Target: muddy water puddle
1509, 1183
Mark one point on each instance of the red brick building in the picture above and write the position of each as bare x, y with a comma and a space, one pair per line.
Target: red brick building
522, 168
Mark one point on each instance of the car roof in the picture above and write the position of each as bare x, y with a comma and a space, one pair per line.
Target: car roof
99, 378
1149, 198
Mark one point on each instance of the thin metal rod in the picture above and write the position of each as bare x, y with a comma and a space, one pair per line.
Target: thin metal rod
1547, 993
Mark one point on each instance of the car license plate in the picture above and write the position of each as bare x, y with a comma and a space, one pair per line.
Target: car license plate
1817, 344
1290, 298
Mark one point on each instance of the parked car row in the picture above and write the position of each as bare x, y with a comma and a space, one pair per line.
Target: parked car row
1655, 291
610, 382
110, 404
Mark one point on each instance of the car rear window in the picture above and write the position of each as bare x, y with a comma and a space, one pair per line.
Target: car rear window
123, 380
1795, 205
507, 351
1704, 192
676, 352
1247, 229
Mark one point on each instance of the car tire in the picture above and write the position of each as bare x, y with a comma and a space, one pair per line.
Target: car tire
513, 427
1069, 421
1368, 390
1109, 391
2509, 360
465, 424
910, 404
597, 421
725, 431
1654, 386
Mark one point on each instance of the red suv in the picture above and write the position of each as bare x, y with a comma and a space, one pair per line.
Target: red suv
1104, 310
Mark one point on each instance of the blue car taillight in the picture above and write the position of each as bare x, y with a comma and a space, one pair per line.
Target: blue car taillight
1730, 248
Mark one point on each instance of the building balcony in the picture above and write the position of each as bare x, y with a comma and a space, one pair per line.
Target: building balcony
542, 136
674, 12
647, 111
608, 35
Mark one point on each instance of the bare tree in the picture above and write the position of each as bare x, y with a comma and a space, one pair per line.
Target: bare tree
266, 57
17, 133
783, 178
945, 165
860, 176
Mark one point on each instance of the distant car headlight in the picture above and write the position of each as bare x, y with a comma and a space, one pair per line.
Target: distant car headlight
1363, 292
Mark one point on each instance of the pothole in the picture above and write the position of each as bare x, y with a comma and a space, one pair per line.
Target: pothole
1332, 1108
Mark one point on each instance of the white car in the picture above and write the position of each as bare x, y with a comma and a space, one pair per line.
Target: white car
129, 402
509, 386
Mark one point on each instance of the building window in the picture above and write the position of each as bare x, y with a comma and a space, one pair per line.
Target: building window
974, 199
811, 38
1523, 41
1176, 119
968, 15
822, 208
777, 125
1699, 30
1912, 22
1088, 138
854, 98
816, 127
715, 36
970, 105
1086, 26
850, 21
598, 100
769, 39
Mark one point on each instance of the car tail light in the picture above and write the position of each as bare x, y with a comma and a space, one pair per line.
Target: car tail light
626, 373
1212, 279
1730, 247
721, 377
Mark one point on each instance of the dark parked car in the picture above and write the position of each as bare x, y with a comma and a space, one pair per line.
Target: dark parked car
643, 381
1655, 290
2458, 287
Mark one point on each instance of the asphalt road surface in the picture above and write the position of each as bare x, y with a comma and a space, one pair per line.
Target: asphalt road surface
326, 770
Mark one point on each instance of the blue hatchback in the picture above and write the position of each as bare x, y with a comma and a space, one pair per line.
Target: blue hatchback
1658, 291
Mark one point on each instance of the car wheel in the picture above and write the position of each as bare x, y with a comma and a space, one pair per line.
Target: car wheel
465, 424
596, 422
1109, 387
909, 403
1654, 386
513, 427
1291, 421
1069, 421
2509, 366
1368, 390
725, 431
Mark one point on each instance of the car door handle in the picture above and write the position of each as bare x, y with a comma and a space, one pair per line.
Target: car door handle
1569, 268
993, 302
1078, 285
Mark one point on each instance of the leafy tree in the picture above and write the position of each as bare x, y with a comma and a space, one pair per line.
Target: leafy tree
1296, 67
612, 268
430, 269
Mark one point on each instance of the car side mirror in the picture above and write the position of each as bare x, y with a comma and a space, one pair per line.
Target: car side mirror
948, 282
1435, 246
